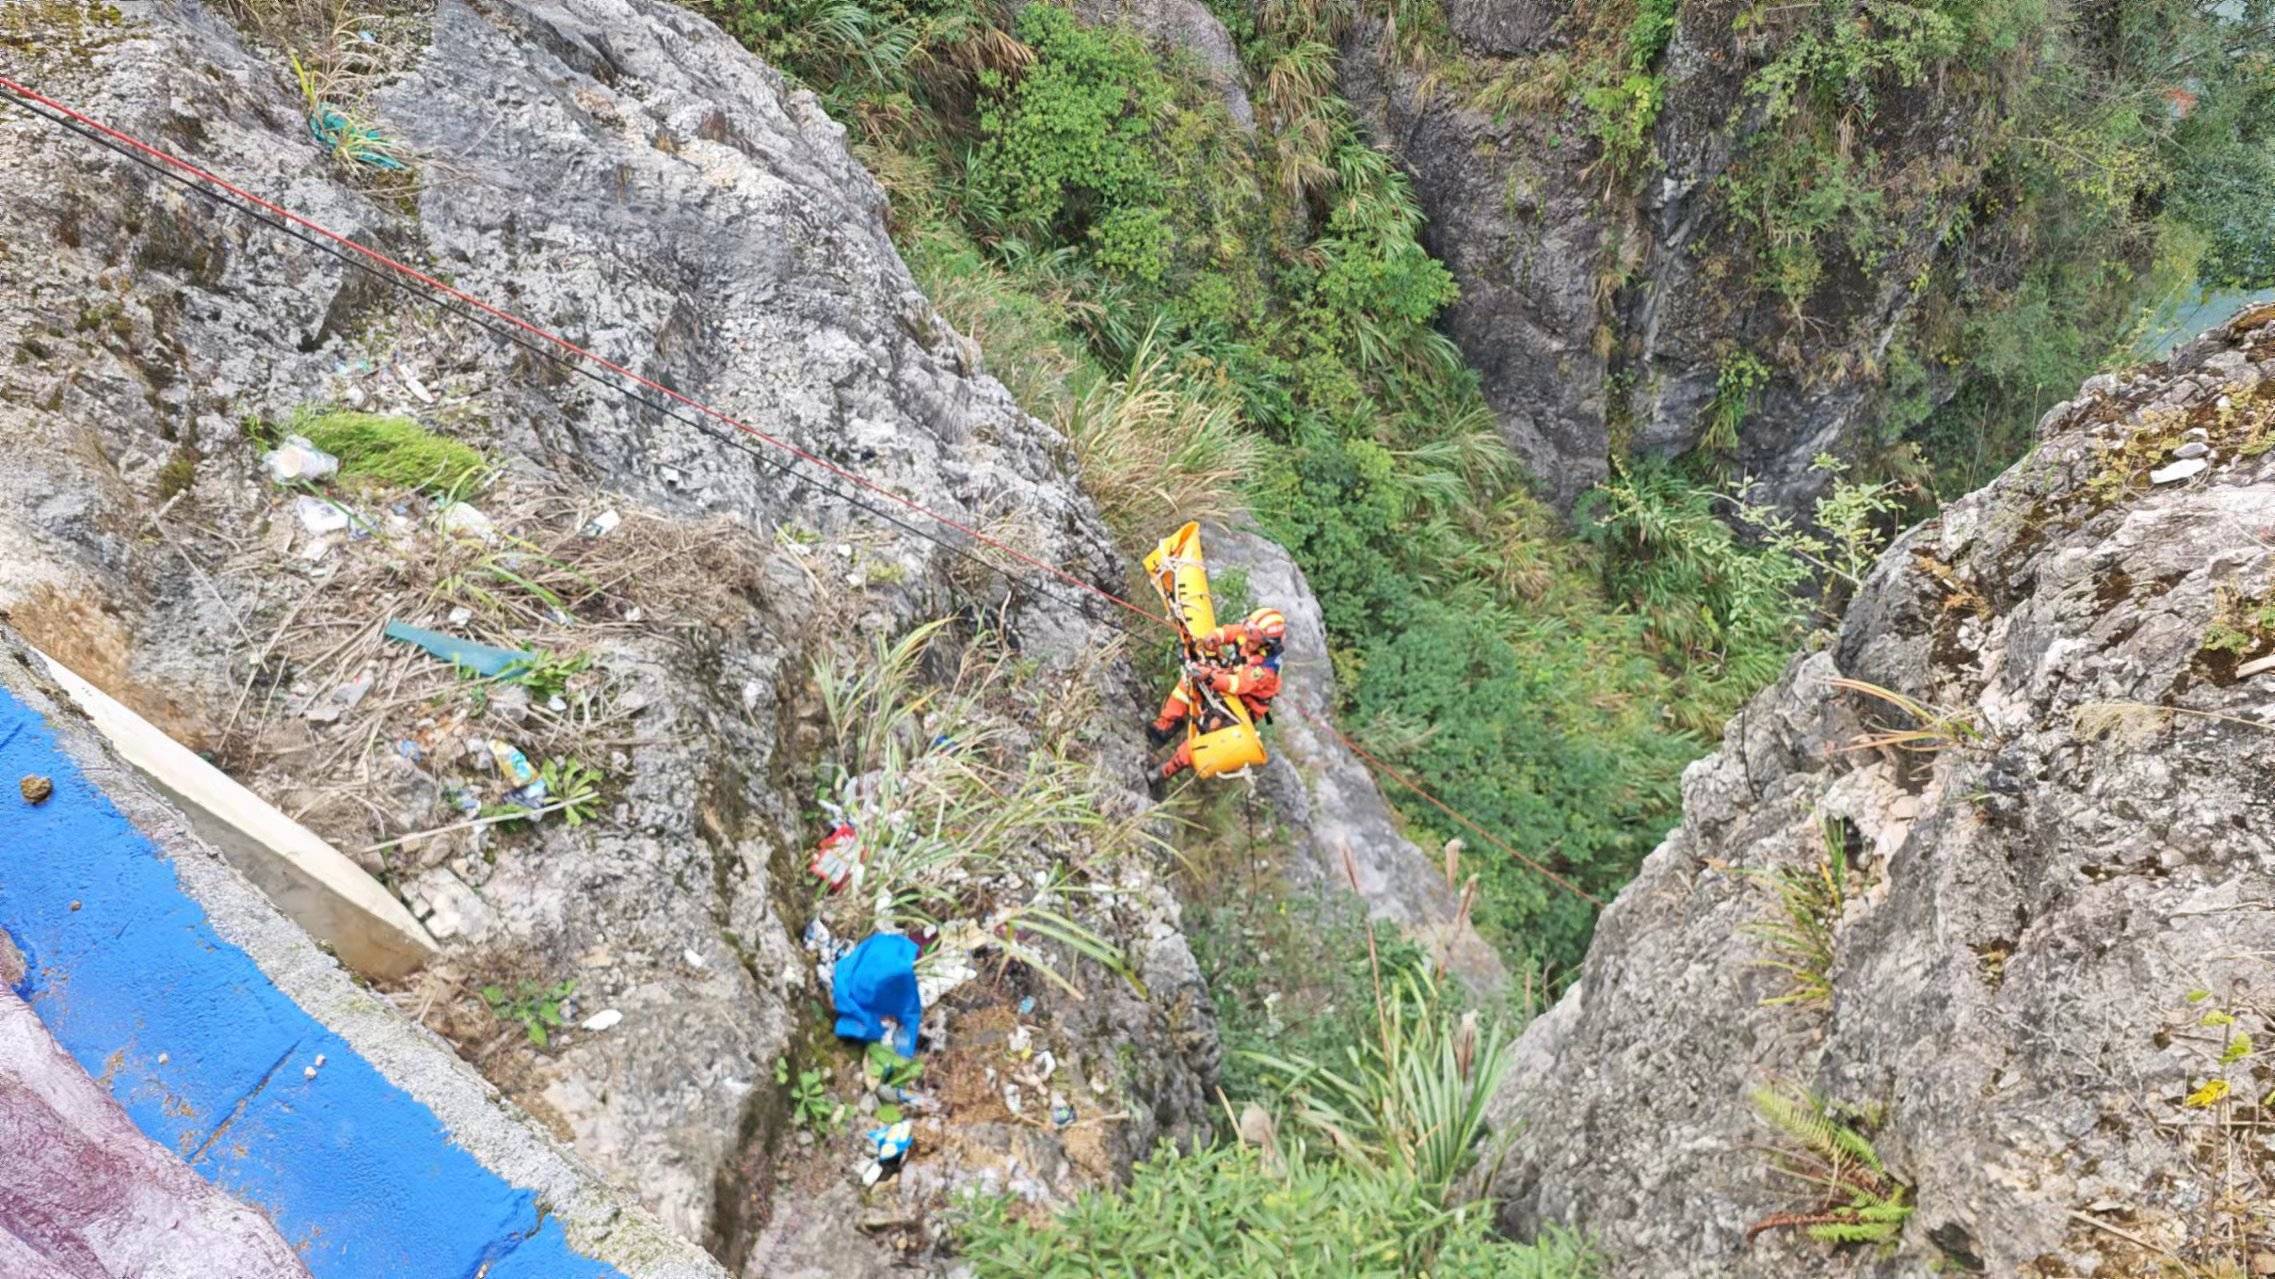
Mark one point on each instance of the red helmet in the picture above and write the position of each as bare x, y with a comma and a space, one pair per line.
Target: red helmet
1270, 623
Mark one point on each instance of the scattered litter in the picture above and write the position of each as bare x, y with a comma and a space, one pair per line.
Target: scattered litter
1027, 1006
557, 704
357, 143
605, 1019
694, 960
1012, 1101
319, 516
1062, 1111
411, 381
889, 1143
603, 524
410, 750
875, 983
464, 800
510, 701
35, 788
298, 460
942, 969
319, 1061
871, 1170
329, 708
460, 520
1021, 1042
838, 858
308, 1072
461, 615
1046, 1064
2180, 470
482, 659
512, 764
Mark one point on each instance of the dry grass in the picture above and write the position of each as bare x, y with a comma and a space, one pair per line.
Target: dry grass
1156, 452
543, 587
1933, 728
338, 54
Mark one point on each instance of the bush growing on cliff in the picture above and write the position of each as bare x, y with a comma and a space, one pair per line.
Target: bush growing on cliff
1397, 1115
1224, 1212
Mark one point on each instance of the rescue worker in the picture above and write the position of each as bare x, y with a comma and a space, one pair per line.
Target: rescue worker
1238, 660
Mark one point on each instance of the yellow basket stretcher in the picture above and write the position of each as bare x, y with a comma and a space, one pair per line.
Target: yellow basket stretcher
1181, 578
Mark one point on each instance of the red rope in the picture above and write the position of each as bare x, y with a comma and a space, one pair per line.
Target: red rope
409, 272
1488, 836
429, 282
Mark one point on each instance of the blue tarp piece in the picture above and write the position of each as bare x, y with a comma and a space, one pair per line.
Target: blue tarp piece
482, 659
876, 981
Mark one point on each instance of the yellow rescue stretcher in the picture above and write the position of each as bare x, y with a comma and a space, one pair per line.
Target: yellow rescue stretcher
1181, 578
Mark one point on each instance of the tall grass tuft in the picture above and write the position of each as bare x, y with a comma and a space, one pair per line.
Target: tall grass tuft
1409, 1101
972, 804
1155, 451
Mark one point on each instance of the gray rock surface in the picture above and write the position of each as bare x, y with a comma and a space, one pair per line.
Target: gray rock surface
1514, 216
622, 172
1506, 26
2039, 914
1600, 309
1325, 796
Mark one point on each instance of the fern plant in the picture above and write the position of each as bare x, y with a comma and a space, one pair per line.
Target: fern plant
1854, 1198
1798, 935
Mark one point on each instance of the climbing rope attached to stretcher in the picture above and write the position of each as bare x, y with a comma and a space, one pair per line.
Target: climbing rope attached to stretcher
660, 398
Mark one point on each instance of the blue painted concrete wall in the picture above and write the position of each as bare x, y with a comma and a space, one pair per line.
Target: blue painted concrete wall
210, 1059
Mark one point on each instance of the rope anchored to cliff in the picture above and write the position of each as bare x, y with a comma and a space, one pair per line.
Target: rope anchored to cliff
653, 395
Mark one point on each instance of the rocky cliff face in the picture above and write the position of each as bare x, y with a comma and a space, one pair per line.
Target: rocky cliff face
1602, 299
1343, 835
622, 172
2042, 990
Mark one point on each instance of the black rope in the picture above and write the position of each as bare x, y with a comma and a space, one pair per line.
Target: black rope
529, 343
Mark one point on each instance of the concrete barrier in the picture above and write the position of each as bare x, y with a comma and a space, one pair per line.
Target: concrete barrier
229, 1039
337, 901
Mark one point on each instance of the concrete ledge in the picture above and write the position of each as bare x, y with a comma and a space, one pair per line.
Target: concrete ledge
204, 1012
337, 901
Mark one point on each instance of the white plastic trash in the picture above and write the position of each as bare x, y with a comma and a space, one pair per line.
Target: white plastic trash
319, 516
603, 524
297, 460
460, 520
604, 1019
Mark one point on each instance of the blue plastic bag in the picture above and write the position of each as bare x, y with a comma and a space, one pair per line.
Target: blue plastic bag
877, 981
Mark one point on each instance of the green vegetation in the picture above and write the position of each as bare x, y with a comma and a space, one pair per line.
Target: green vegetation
1343, 1167
533, 1006
1290, 977
2241, 626
389, 450
1797, 937
812, 1104
1853, 1198
972, 799
1407, 1101
1228, 1211
2110, 154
